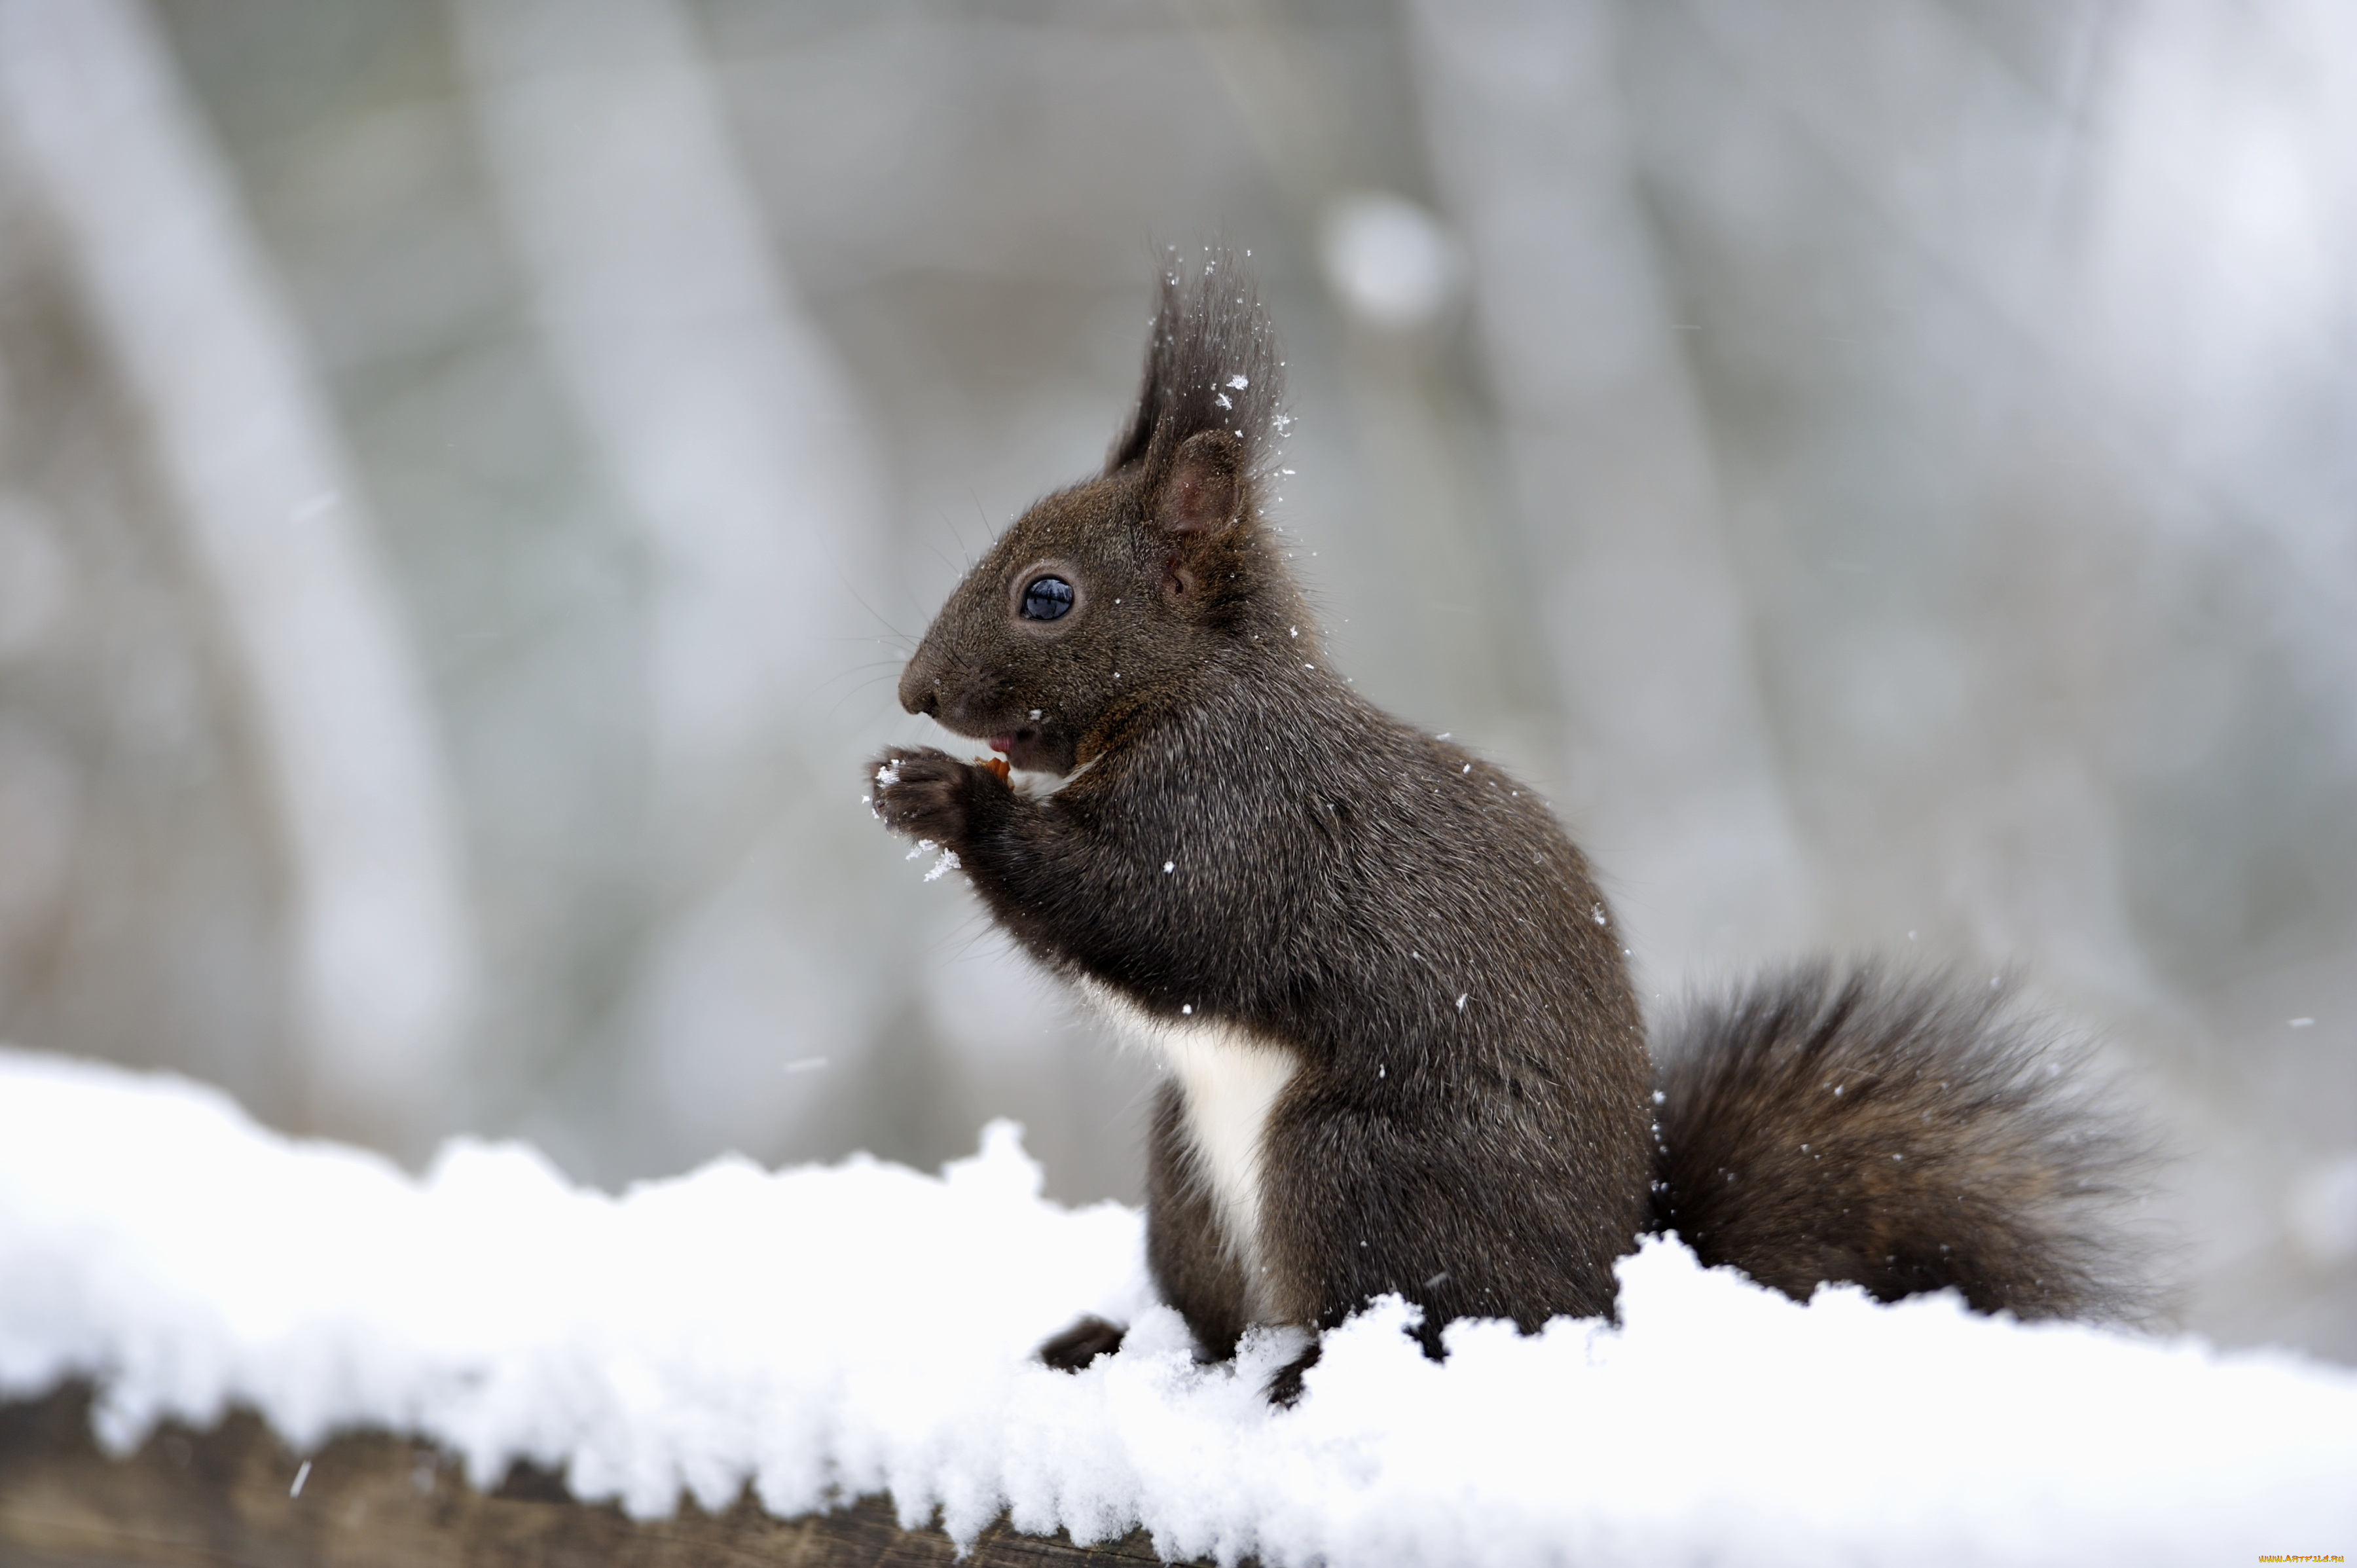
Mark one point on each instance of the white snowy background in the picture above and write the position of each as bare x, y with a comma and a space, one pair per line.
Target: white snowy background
469, 470
817, 1333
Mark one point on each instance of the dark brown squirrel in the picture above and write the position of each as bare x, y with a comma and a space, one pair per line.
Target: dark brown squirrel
1404, 1052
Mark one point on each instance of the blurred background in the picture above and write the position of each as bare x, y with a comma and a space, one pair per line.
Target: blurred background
470, 472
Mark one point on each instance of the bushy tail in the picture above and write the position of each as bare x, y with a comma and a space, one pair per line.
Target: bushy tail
1904, 1133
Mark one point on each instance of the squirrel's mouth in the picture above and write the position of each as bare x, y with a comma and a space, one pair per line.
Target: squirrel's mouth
1034, 744
1026, 748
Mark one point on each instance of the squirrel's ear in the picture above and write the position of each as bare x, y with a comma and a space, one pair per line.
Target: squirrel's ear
1202, 493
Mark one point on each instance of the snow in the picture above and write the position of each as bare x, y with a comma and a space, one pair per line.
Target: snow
941, 867
820, 1333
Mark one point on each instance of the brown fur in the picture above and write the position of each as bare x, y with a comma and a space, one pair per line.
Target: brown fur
1904, 1134
1246, 847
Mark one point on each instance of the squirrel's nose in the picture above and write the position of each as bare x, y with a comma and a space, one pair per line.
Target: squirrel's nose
918, 692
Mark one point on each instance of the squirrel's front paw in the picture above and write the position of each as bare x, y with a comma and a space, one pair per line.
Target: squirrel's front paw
924, 793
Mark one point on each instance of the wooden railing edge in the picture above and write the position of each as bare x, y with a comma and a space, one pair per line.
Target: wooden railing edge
376, 1499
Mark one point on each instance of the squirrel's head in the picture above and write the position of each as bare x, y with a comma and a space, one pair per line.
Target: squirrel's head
1105, 597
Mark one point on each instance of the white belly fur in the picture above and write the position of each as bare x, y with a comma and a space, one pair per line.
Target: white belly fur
1229, 1080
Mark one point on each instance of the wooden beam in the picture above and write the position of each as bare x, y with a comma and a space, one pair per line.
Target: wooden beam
212, 1499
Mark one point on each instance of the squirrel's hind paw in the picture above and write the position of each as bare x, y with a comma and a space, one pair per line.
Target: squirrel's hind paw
1285, 1389
1083, 1343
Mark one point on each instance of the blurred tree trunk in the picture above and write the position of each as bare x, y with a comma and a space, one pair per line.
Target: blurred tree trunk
1674, 786
381, 937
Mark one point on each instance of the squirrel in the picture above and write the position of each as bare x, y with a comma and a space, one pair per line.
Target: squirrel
1404, 1052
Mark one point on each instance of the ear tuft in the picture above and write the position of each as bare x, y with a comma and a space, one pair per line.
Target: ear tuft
1203, 491
1211, 365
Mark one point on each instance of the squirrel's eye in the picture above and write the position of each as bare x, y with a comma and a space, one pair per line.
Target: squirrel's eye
1048, 598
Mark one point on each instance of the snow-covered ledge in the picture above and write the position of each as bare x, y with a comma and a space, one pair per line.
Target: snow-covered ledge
820, 1334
